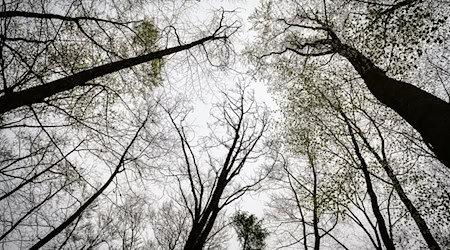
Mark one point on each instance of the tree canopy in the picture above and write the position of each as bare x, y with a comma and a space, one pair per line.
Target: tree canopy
145, 124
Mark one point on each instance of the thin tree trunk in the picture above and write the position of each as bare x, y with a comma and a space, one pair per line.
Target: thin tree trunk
244, 246
83, 207
373, 197
315, 206
376, 209
297, 200
420, 222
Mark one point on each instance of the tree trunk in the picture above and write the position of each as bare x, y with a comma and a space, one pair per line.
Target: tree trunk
315, 205
420, 222
389, 244
428, 114
376, 210
200, 231
199, 235
86, 204
38, 94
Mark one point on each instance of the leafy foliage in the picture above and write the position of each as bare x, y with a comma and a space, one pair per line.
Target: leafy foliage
115, 161
146, 40
249, 230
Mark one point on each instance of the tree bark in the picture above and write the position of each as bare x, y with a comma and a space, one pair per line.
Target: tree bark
426, 113
38, 94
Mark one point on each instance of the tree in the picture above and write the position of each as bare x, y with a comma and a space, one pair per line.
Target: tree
329, 33
304, 207
250, 232
77, 213
28, 95
351, 130
209, 178
78, 109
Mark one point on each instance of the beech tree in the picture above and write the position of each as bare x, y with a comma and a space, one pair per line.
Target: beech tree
380, 40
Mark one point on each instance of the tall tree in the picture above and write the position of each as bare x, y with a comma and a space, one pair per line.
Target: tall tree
304, 207
209, 177
78, 80
325, 28
37, 81
347, 134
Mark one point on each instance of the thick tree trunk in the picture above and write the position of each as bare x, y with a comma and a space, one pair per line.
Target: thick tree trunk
200, 232
201, 229
428, 114
38, 94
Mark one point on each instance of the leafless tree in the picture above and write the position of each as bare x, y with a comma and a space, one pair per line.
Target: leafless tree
210, 176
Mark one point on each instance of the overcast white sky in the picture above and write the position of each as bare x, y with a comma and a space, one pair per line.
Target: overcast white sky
252, 203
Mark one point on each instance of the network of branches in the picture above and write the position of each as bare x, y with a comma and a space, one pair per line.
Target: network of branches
105, 142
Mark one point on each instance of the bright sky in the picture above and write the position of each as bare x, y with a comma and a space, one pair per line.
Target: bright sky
252, 203
243, 9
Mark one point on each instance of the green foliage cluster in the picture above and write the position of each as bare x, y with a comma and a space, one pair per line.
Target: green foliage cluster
145, 41
146, 36
250, 232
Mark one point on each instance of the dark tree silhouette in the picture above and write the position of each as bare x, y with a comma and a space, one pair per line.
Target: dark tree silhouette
428, 114
76, 77
250, 232
18, 95
212, 183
